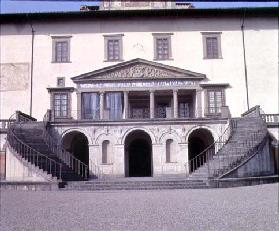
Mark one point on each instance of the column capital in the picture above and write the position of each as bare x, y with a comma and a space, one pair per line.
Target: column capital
174, 90
102, 92
151, 91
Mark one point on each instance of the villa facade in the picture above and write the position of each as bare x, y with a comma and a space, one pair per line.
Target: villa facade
139, 92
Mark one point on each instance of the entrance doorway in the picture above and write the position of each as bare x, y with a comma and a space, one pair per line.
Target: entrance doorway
138, 154
198, 141
76, 143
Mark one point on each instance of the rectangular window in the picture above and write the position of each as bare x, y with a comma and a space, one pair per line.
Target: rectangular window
60, 82
212, 45
60, 105
215, 100
162, 46
113, 47
61, 49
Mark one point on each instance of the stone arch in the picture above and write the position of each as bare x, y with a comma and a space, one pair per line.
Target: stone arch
126, 133
173, 135
105, 136
214, 134
76, 143
86, 133
200, 147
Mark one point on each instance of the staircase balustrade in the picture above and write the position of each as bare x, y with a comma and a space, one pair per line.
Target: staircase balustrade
270, 118
222, 163
31, 155
208, 154
69, 159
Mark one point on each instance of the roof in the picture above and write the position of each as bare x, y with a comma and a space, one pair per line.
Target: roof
194, 12
138, 69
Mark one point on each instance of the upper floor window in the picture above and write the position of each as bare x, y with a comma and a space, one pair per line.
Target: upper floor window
162, 46
61, 49
113, 47
212, 45
215, 100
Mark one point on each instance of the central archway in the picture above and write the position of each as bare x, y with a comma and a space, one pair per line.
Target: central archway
138, 154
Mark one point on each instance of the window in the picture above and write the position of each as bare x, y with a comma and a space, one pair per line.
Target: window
60, 49
90, 105
60, 82
60, 105
114, 105
184, 111
162, 46
215, 100
212, 45
113, 47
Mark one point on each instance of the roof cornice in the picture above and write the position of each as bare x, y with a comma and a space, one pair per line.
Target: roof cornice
80, 15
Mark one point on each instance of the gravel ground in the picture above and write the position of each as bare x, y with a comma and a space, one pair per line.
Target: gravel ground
244, 208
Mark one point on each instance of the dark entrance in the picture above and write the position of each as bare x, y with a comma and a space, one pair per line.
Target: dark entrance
198, 141
138, 155
77, 144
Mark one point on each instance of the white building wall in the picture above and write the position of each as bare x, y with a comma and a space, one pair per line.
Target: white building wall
87, 54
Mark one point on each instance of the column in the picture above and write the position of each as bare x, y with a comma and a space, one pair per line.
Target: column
126, 105
198, 103
175, 104
79, 117
102, 105
151, 95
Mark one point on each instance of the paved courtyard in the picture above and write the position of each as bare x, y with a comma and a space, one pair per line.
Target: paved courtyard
244, 208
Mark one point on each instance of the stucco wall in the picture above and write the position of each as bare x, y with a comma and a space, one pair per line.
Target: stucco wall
87, 54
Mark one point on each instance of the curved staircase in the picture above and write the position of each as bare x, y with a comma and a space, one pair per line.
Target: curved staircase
247, 135
30, 140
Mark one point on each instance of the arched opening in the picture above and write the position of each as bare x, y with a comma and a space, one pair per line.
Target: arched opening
170, 151
106, 152
76, 143
198, 141
138, 154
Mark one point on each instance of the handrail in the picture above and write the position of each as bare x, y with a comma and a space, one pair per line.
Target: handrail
95, 170
31, 155
207, 154
252, 152
68, 158
270, 118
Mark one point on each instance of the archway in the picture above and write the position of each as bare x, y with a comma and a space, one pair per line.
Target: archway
198, 141
76, 143
138, 154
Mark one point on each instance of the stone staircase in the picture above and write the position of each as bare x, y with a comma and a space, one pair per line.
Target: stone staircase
140, 183
32, 134
247, 135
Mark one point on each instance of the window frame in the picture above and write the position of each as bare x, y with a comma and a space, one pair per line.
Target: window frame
61, 90
157, 36
207, 100
216, 35
57, 39
108, 38
58, 82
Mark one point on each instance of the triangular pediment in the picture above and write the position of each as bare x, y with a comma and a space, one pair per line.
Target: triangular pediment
138, 69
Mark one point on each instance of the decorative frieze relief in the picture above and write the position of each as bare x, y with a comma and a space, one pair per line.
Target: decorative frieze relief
139, 71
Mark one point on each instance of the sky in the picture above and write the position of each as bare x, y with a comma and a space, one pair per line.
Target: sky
23, 6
